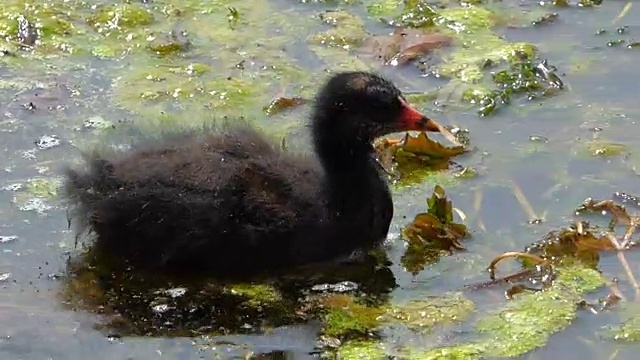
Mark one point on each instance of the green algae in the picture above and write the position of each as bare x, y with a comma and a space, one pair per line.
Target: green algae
257, 294
419, 315
356, 350
628, 331
478, 50
600, 148
519, 327
247, 69
168, 45
36, 194
425, 175
425, 314
333, 46
348, 319
53, 25
120, 17
527, 322
418, 14
154, 91
44, 187
354, 324
461, 352
383, 7
347, 30
478, 44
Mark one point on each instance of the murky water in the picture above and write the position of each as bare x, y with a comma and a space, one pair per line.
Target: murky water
600, 103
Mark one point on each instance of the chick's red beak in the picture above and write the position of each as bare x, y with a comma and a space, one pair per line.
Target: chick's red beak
411, 119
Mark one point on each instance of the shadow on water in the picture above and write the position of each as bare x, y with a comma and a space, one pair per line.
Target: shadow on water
579, 143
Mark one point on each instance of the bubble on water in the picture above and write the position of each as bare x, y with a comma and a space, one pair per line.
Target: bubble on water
34, 204
97, 122
13, 187
42, 169
47, 142
176, 292
6, 239
160, 308
341, 287
29, 154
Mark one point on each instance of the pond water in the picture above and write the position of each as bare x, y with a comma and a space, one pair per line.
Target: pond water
95, 75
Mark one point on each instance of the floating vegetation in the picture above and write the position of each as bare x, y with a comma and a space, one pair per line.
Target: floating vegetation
35, 194
605, 149
628, 331
173, 43
535, 80
347, 30
347, 319
120, 17
564, 274
432, 234
424, 314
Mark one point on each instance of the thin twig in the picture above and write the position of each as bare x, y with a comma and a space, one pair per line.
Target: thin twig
625, 11
522, 199
627, 269
477, 203
620, 247
512, 254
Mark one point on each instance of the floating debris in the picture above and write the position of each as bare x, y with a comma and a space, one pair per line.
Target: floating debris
546, 19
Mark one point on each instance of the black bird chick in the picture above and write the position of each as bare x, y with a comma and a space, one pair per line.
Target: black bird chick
229, 201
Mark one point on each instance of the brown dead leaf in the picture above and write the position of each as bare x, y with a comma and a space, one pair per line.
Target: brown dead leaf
403, 45
421, 145
407, 157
